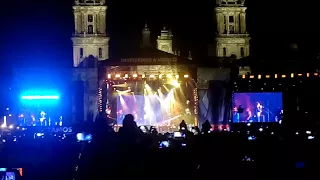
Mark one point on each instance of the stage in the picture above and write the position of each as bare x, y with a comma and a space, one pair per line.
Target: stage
155, 100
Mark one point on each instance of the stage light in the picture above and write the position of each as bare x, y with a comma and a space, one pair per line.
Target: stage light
251, 76
175, 83
160, 76
259, 76
143, 76
186, 76
151, 76
126, 76
39, 97
118, 76
316, 74
3, 125
292, 75
308, 74
134, 75
80, 136
169, 75
283, 76
299, 74
109, 76
267, 76
177, 76
11, 126
276, 76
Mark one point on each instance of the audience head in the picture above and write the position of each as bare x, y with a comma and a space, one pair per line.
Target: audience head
128, 122
183, 126
206, 126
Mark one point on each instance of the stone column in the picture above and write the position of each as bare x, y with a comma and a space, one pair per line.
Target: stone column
83, 28
227, 23
97, 23
102, 23
76, 28
236, 23
243, 23
220, 22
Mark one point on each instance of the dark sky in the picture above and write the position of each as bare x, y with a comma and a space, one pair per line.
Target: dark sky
37, 32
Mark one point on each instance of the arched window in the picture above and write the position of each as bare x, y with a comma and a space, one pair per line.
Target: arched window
90, 29
224, 52
100, 52
242, 52
81, 52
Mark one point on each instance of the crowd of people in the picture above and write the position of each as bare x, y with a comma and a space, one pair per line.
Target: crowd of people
133, 153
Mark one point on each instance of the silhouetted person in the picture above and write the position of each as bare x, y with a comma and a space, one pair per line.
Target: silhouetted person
240, 109
206, 126
131, 147
183, 126
130, 133
101, 153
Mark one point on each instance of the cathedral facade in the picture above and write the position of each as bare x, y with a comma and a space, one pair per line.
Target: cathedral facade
91, 43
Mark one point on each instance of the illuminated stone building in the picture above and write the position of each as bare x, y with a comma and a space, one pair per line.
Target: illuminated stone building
90, 35
232, 37
90, 43
152, 62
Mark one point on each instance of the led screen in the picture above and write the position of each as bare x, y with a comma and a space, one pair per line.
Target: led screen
152, 109
260, 107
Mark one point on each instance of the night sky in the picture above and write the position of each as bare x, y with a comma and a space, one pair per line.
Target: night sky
37, 32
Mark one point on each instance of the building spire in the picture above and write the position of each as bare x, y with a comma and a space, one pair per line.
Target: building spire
190, 55
146, 36
164, 41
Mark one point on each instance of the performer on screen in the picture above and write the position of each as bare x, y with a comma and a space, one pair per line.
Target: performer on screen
43, 120
259, 111
249, 114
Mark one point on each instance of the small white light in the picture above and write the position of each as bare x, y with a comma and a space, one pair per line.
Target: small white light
260, 129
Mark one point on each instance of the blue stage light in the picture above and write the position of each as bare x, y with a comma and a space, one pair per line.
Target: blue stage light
39, 97
89, 137
80, 137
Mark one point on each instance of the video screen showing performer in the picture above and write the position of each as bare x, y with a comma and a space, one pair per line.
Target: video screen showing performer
257, 107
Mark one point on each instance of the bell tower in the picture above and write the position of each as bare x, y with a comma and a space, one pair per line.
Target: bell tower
164, 41
90, 36
146, 37
232, 37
